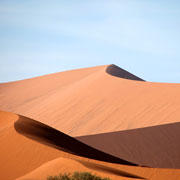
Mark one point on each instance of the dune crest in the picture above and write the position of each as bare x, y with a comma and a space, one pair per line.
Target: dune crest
121, 73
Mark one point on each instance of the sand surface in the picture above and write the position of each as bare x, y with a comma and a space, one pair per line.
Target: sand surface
25, 155
23, 150
91, 101
102, 119
157, 146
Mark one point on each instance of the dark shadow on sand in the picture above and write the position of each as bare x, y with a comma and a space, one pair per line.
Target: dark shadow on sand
54, 138
156, 146
121, 73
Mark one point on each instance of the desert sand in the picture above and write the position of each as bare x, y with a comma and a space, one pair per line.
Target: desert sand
156, 146
101, 119
91, 101
26, 145
27, 154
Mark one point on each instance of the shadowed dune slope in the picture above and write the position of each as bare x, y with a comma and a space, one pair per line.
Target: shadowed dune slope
119, 72
52, 137
156, 146
20, 155
27, 157
91, 101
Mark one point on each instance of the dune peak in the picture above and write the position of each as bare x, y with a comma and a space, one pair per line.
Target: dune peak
121, 73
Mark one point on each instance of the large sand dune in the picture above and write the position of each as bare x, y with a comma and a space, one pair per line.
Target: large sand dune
102, 119
91, 101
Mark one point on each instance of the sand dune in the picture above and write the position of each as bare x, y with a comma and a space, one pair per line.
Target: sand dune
51, 137
27, 144
64, 165
102, 119
19, 155
25, 156
91, 101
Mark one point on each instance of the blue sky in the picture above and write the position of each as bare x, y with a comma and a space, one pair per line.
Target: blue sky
39, 37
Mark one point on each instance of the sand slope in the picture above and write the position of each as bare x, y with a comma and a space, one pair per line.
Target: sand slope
122, 120
19, 155
27, 144
91, 101
157, 146
25, 156
56, 139
64, 165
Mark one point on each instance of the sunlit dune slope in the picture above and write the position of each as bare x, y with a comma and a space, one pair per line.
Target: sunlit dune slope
28, 151
93, 100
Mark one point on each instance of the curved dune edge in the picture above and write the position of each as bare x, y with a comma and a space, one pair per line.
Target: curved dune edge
52, 137
121, 73
90, 101
20, 155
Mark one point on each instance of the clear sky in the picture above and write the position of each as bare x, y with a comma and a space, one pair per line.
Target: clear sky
39, 37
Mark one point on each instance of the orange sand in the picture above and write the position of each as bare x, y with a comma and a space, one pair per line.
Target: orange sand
25, 158
81, 103
91, 101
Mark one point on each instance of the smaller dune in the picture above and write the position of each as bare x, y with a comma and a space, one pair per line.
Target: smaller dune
64, 165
